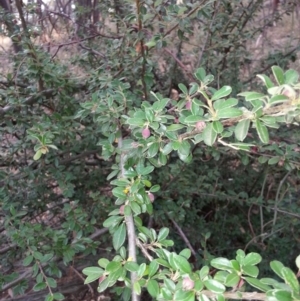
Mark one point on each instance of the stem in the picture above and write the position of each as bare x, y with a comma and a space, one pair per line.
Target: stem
130, 228
277, 200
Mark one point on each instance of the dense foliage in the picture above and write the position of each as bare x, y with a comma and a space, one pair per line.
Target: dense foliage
151, 114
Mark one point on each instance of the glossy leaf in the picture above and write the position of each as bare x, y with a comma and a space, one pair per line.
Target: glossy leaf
279, 295
262, 131
257, 284
217, 126
119, 237
277, 267
182, 295
153, 267
209, 135
250, 270
214, 286
291, 77
193, 119
252, 259
232, 280
223, 92
291, 279
153, 288
241, 129
224, 104
266, 80
278, 74
229, 113
222, 264
182, 264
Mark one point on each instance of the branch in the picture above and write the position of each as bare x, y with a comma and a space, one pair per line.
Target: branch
130, 228
29, 100
29, 271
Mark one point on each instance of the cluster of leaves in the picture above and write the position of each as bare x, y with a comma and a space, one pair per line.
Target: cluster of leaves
55, 192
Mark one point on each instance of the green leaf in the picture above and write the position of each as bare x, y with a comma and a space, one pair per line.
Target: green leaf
103, 285
267, 81
278, 74
103, 262
193, 119
37, 155
223, 92
229, 113
118, 192
232, 280
291, 279
214, 286
136, 121
181, 295
153, 267
186, 253
273, 160
182, 264
51, 282
236, 265
250, 96
217, 126
141, 270
49, 297
175, 127
257, 284
155, 188
183, 89
277, 99
279, 295
167, 295
291, 77
241, 129
160, 105
131, 266
144, 170
250, 270
153, 288
163, 234
27, 260
136, 208
209, 135
184, 148
200, 74
39, 286
93, 273
262, 131
168, 148
58, 296
113, 266
224, 104
119, 237
137, 288
252, 259
277, 267
222, 264
153, 149
112, 221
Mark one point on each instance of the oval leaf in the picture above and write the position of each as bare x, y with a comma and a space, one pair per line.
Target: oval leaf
119, 237
229, 113
209, 135
252, 259
241, 130
214, 286
262, 131
223, 92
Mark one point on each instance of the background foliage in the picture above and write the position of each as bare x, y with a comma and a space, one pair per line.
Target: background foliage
73, 71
